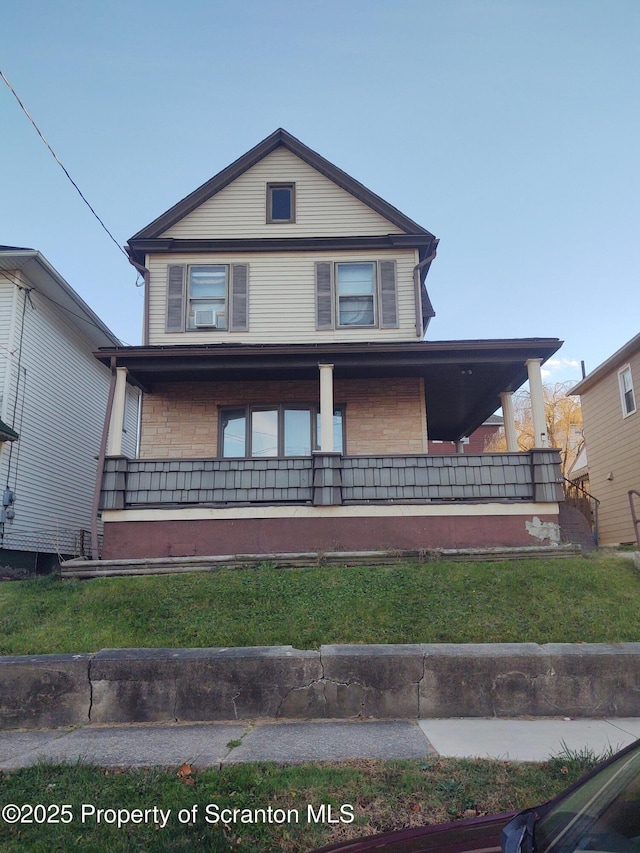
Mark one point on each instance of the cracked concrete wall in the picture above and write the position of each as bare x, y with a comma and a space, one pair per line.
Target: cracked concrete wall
152, 685
545, 531
511, 679
44, 691
339, 682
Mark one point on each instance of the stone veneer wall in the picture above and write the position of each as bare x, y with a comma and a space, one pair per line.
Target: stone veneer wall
180, 420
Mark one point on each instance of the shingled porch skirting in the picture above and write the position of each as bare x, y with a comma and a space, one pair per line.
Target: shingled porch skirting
329, 502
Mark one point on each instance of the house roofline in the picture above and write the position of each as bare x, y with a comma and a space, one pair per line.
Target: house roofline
424, 243
462, 379
279, 138
7, 433
607, 366
414, 352
33, 265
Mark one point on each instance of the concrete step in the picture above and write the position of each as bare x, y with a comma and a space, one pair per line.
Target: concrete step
80, 568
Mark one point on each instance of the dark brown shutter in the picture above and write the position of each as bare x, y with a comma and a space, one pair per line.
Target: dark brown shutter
324, 296
175, 298
388, 295
239, 298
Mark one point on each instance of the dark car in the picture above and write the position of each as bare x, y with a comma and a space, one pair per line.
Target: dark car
600, 812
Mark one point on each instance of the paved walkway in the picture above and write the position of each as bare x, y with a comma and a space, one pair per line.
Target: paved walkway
215, 744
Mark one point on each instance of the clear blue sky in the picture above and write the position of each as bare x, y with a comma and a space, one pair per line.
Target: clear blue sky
508, 128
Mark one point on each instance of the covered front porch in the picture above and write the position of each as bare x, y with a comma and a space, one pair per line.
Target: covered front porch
172, 508
373, 485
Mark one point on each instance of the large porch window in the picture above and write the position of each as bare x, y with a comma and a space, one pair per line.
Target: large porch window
278, 430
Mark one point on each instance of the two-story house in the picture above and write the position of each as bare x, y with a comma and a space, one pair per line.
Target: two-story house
288, 392
609, 398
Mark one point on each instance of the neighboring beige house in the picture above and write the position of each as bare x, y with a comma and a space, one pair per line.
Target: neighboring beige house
609, 396
289, 396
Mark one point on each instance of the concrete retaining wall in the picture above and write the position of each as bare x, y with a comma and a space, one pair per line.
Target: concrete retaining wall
339, 682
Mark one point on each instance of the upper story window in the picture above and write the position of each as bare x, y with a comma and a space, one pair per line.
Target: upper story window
627, 395
281, 203
356, 294
355, 289
207, 297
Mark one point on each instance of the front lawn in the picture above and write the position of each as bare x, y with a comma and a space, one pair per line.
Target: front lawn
562, 600
381, 796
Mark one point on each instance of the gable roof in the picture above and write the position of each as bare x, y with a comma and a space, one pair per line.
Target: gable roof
614, 361
45, 279
279, 138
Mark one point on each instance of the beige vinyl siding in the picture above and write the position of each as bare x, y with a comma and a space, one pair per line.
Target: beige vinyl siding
613, 447
282, 298
322, 208
62, 397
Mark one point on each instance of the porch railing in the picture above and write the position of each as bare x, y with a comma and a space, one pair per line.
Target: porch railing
331, 479
578, 497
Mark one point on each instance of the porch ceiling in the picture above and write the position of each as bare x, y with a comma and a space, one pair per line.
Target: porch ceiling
463, 379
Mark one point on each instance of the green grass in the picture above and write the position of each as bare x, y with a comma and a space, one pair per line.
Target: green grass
384, 796
563, 600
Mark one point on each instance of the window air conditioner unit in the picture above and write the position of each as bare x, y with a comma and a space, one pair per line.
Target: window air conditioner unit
204, 318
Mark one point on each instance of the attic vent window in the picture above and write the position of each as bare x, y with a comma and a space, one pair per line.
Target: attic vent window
281, 203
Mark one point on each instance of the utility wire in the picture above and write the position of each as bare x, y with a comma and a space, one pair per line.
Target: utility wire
55, 157
72, 313
62, 307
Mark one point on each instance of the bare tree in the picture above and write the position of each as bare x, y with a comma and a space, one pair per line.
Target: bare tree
563, 415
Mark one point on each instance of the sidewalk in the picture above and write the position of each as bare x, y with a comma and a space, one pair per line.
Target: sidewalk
216, 744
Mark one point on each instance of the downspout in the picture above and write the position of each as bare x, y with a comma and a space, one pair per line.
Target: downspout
101, 457
418, 292
420, 325
146, 275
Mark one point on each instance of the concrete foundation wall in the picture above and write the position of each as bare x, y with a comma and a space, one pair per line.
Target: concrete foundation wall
343, 682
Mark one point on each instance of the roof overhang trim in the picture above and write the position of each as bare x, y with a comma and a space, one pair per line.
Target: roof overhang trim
614, 362
7, 433
40, 274
462, 379
425, 245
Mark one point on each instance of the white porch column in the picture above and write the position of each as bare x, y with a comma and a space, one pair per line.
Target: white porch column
506, 401
537, 402
114, 442
326, 408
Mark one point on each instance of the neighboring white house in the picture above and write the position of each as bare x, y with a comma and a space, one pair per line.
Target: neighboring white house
53, 394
